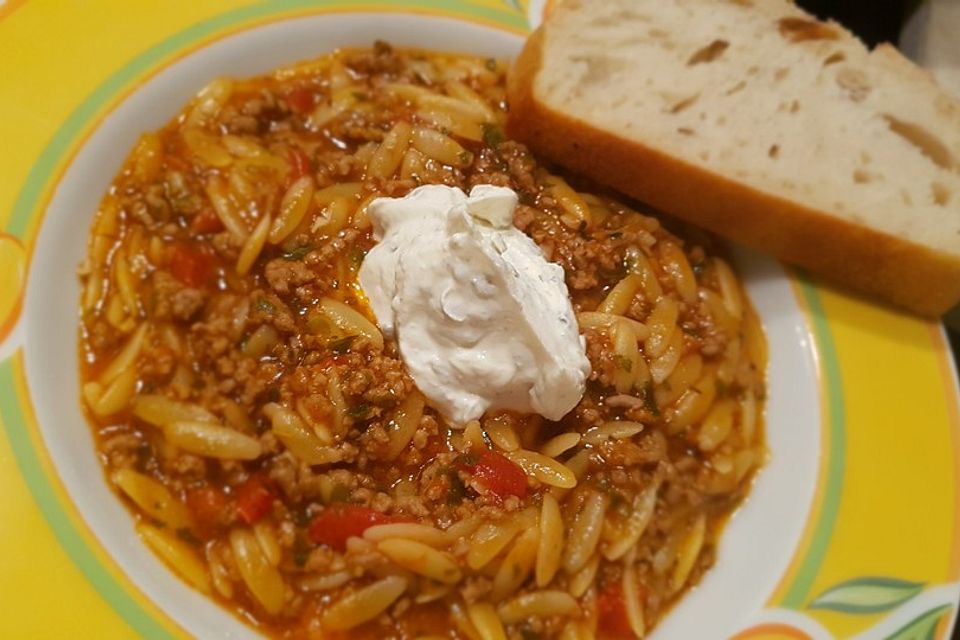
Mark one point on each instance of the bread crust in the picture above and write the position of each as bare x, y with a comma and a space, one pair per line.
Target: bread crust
908, 275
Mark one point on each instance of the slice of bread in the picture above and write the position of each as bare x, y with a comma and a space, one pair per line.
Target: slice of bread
754, 120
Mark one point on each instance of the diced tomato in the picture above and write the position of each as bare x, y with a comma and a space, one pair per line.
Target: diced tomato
299, 164
191, 264
208, 505
334, 525
300, 100
177, 163
206, 222
612, 614
254, 499
498, 475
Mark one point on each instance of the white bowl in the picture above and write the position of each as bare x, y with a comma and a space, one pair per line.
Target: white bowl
756, 545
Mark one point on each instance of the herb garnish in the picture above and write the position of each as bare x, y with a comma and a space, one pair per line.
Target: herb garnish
492, 136
341, 345
264, 305
297, 254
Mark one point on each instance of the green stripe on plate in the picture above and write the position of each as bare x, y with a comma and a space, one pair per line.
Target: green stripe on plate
12, 417
799, 589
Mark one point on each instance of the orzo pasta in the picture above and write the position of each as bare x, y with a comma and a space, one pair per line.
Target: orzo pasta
274, 449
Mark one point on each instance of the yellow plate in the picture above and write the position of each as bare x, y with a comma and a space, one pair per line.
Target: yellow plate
876, 552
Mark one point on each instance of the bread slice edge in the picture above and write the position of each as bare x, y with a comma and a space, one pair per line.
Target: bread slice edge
911, 276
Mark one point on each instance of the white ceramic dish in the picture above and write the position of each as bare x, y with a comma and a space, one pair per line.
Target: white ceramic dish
757, 544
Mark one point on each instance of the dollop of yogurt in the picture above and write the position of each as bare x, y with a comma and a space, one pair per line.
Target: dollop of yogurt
482, 319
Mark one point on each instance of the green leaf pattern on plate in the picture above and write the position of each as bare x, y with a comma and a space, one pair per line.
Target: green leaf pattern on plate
867, 595
923, 627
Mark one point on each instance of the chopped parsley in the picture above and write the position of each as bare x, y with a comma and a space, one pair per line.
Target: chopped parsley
649, 400
468, 459
341, 345
359, 411
301, 517
492, 136
261, 426
356, 257
618, 502
614, 275
264, 305
339, 493
301, 551
491, 64
624, 363
297, 254
692, 330
187, 536
723, 389
457, 490
143, 454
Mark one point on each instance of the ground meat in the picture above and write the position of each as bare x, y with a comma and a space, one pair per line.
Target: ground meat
603, 359
644, 414
156, 200
123, 449
395, 188
256, 114
175, 300
282, 275
157, 363
239, 123
264, 102
588, 413
425, 442
225, 245
376, 500
649, 448
381, 60
334, 166
321, 560
102, 336
509, 165
268, 308
584, 260
524, 216
490, 170
294, 478
378, 380
375, 441
323, 256
188, 466
521, 166
476, 588
245, 378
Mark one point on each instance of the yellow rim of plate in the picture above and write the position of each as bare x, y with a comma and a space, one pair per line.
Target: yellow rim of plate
848, 573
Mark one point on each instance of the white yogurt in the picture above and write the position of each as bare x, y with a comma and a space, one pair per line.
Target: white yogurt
482, 319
